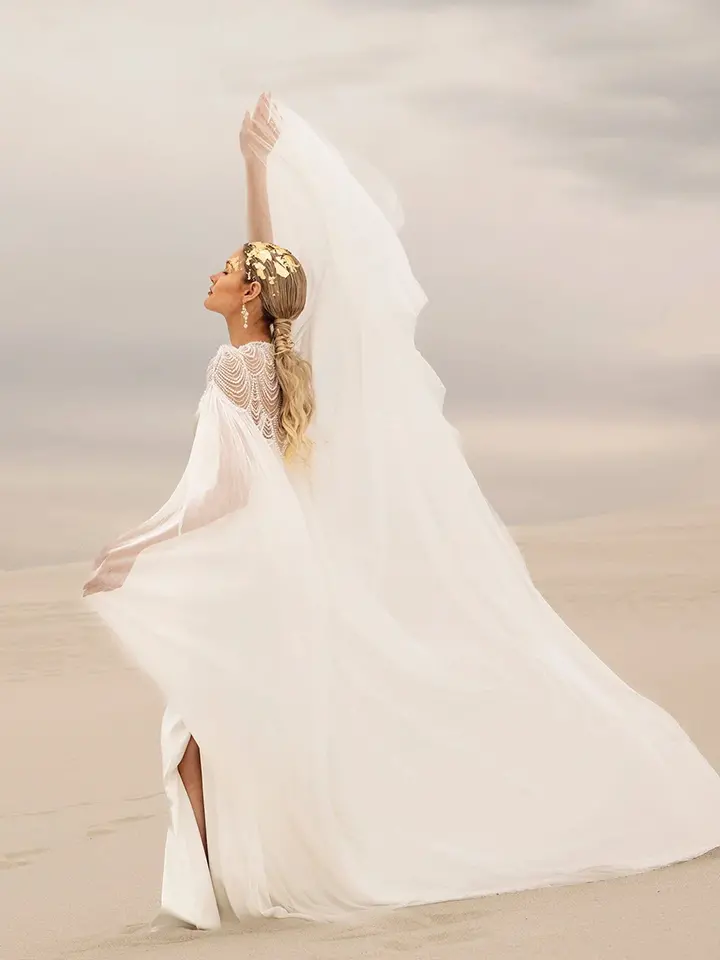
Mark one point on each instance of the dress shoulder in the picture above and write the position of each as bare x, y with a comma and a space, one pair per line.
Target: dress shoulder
246, 375
234, 369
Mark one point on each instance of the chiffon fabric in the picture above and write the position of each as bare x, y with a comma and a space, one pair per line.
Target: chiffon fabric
387, 710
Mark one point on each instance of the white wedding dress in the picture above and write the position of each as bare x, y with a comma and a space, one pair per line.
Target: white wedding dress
387, 710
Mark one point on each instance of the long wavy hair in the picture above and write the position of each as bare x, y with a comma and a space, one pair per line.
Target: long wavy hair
283, 292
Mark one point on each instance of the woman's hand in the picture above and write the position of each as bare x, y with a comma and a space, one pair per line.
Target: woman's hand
259, 132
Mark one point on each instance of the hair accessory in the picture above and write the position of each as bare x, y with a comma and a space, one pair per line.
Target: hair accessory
267, 261
264, 261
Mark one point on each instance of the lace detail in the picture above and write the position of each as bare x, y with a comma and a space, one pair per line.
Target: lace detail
247, 377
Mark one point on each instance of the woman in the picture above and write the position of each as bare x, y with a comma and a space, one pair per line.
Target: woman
369, 701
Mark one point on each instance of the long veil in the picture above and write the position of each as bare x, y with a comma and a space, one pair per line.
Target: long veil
390, 487
383, 447
456, 643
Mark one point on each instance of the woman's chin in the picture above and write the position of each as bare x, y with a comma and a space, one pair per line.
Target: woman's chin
209, 305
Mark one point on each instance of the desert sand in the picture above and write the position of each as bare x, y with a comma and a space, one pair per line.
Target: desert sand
82, 815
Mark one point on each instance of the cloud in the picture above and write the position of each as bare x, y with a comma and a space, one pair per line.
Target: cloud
625, 93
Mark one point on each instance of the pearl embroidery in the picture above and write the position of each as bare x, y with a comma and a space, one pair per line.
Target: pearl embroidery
247, 377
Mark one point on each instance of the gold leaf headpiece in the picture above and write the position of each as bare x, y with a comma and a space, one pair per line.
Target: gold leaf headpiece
265, 261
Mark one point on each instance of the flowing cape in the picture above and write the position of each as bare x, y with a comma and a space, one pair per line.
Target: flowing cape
388, 711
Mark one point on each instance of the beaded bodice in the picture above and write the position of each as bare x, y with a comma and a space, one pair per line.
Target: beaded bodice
247, 376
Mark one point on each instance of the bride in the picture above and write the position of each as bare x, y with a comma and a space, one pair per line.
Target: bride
368, 701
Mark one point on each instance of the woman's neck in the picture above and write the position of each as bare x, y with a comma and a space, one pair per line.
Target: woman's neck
239, 335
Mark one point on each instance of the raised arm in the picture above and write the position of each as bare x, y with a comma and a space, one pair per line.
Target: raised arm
259, 222
258, 136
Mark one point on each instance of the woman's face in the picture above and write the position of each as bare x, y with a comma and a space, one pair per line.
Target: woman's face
227, 291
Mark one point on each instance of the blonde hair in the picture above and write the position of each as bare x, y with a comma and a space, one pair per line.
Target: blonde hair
283, 292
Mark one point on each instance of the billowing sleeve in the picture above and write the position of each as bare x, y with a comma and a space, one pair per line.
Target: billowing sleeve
217, 479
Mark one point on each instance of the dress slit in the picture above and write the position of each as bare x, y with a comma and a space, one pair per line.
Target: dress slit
188, 886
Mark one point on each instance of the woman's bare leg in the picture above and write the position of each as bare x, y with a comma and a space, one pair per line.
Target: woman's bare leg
190, 770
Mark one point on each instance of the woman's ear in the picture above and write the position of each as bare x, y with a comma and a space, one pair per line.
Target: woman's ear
252, 291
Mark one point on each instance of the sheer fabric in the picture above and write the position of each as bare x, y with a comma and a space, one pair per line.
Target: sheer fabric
387, 710
241, 389
247, 377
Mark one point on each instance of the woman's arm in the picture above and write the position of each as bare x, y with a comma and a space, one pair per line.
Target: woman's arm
258, 136
227, 493
259, 222
115, 563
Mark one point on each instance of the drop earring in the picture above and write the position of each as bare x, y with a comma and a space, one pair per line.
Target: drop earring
245, 315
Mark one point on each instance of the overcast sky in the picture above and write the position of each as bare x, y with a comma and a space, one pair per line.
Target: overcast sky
558, 162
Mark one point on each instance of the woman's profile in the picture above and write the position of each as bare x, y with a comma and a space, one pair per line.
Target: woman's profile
368, 701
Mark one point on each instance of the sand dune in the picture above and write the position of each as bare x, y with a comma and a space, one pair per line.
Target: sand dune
82, 812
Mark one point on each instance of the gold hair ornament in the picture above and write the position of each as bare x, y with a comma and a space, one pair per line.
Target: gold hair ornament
265, 261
